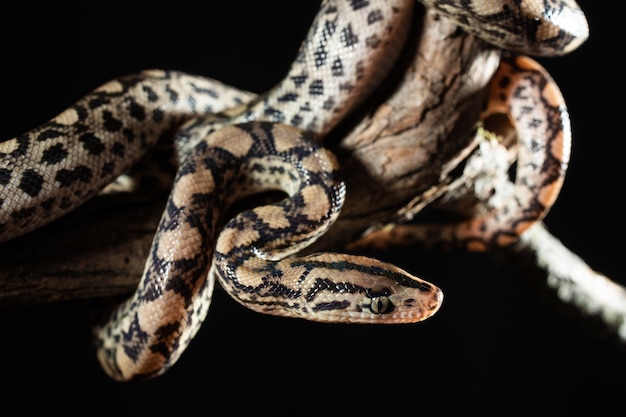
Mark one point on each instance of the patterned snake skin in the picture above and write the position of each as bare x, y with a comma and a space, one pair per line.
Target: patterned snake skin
230, 144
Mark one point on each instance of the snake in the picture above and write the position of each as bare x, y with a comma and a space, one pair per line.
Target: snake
230, 144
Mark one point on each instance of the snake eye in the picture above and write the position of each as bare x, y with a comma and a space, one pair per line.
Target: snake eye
381, 305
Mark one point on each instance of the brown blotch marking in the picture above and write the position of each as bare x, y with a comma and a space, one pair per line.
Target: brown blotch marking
31, 182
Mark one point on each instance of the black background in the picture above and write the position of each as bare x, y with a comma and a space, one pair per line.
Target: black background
496, 345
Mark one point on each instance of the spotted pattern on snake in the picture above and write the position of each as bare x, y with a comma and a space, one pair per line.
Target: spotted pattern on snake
351, 46
50, 170
349, 49
541, 28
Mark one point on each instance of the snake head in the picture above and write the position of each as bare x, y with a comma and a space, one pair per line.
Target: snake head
355, 289
395, 296
533, 27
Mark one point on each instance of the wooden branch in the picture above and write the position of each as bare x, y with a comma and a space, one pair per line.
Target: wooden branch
542, 258
397, 152
80, 256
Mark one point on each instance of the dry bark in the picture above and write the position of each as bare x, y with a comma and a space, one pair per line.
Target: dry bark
398, 153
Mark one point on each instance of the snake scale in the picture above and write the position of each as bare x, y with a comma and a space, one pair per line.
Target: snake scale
230, 144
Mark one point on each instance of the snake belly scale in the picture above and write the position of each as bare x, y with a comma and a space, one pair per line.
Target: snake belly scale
231, 143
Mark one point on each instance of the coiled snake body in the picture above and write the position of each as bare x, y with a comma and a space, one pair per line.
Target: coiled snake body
229, 144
